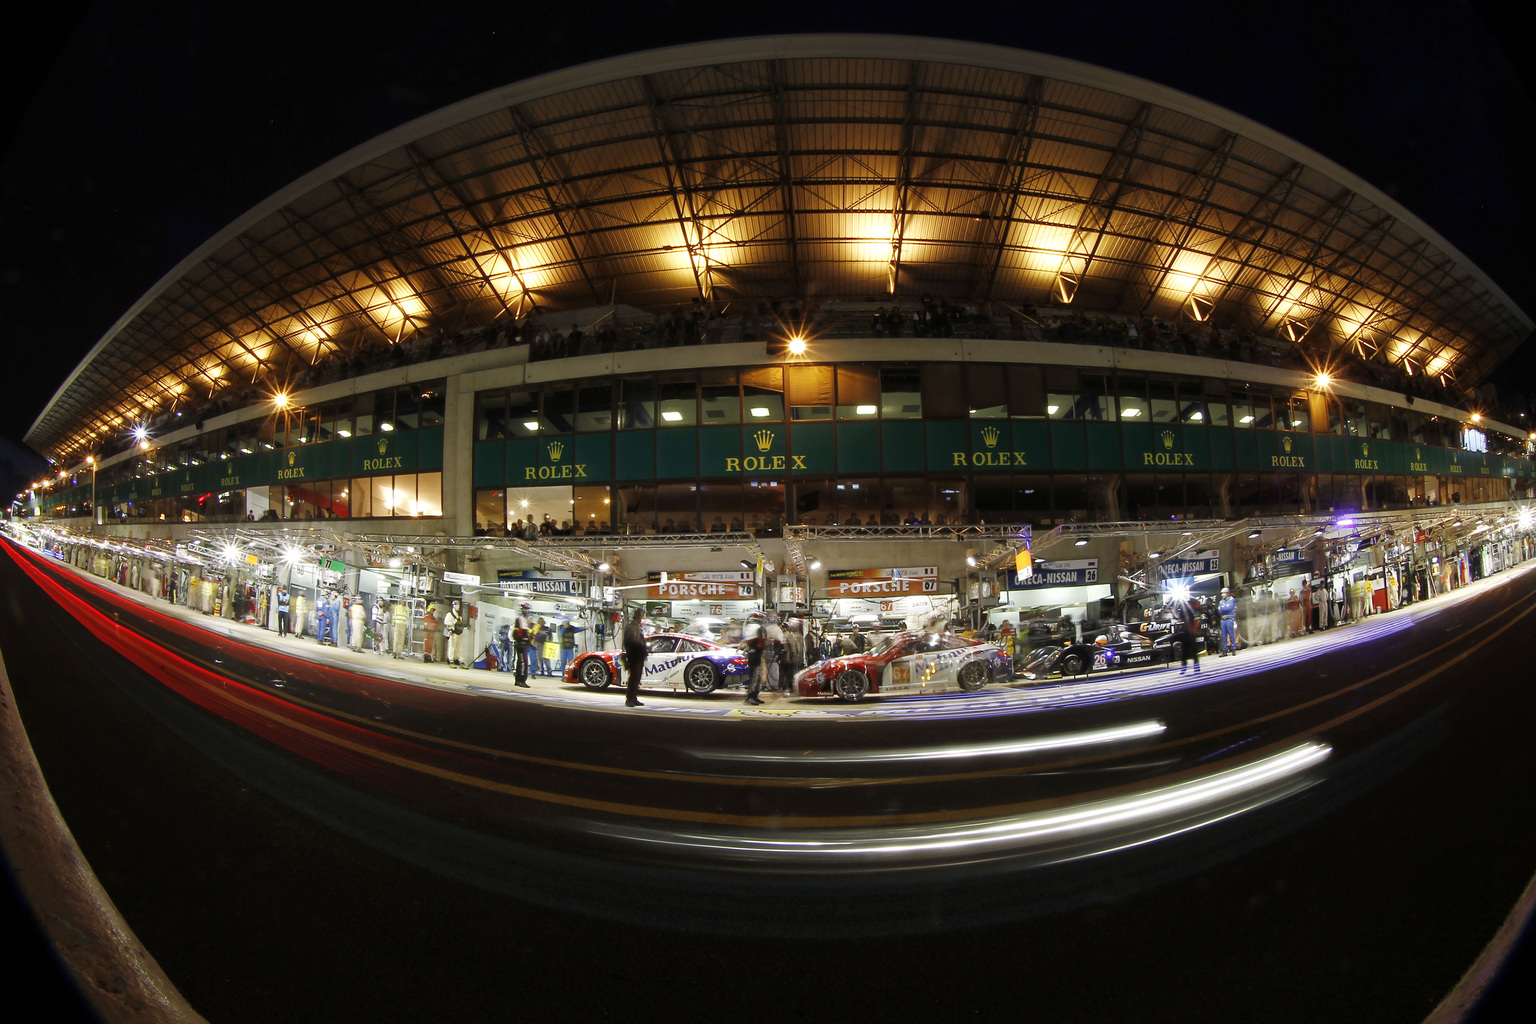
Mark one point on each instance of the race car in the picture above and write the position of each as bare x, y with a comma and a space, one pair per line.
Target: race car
909, 662
675, 660
1114, 646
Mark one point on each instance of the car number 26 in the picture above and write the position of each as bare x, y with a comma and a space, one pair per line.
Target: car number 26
1101, 660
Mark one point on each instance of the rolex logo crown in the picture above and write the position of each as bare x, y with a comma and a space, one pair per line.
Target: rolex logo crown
556, 449
1286, 441
1365, 449
383, 444
990, 436
1167, 439
764, 440
291, 457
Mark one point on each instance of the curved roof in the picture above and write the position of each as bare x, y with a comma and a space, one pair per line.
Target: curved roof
849, 166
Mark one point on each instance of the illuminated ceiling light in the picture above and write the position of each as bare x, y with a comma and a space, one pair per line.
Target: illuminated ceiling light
530, 424
1081, 542
815, 564
672, 416
344, 433
523, 503
386, 425
245, 451
394, 563
1256, 534
1052, 409
796, 346
970, 560
760, 411
603, 567
1477, 417
1197, 415
1129, 413
1246, 419
1323, 380
280, 400
1154, 554
865, 410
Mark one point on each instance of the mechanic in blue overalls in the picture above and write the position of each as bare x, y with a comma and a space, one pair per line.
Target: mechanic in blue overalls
1227, 608
504, 648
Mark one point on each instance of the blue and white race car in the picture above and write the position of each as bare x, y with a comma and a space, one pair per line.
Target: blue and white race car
674, 660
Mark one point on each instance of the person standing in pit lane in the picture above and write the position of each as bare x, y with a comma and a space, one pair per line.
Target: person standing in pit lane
431, 630
399, 626
453, 623
379, 619
522, 639
757, 657
1227, 608
282, 611
1189, 628
634, 658
568, 645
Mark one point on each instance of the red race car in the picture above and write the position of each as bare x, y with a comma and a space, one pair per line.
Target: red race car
913, 662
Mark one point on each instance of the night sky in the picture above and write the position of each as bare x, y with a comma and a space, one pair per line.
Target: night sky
148, 127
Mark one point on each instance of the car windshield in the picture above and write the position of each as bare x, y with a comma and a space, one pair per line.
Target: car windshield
882, 646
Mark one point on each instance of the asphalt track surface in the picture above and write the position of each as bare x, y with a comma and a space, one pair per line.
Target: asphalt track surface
1325, 829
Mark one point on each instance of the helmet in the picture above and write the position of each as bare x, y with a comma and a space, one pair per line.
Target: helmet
1101, 640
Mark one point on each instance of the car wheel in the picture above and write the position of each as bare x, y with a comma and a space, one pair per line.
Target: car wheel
972, 677
1071, 665
594, 674
1176, 651
851, 685
701, 677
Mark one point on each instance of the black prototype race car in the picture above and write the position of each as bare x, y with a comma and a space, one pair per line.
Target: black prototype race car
1114, 647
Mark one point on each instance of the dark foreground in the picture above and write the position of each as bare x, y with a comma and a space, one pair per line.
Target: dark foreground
274, 885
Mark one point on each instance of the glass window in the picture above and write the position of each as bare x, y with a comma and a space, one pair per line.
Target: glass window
678, 405
762, 504
1216, 409
594, 408
523, 418
407, 408
491, 512
636, 512
1161, 401
1242, 410
592, 509
429, 495
560, 411
345, 410
901, 394
987, 391
809, 391
720, 507
1094, 400
637, 404
434, 402
762, 392
719, 398
677, 508
533, 507
363, 408
360, 497
853, 502
490, 416
858, 392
